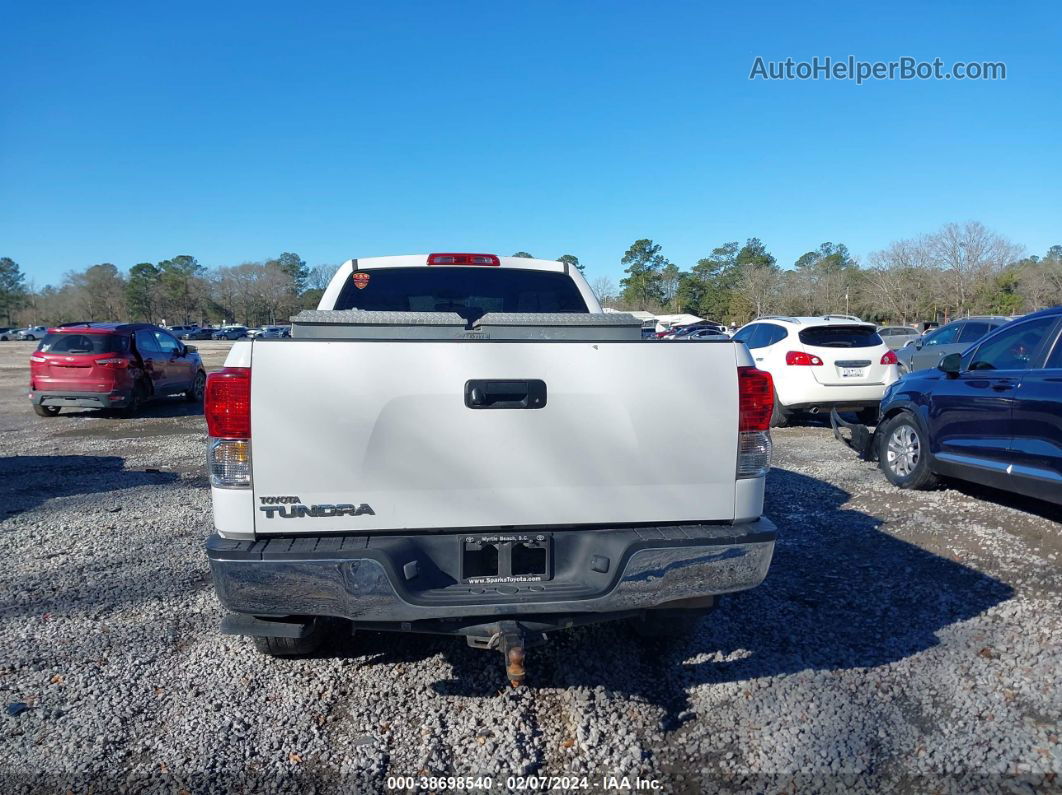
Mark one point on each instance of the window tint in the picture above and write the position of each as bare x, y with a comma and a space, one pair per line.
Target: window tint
1012, 348
771, 335
759, 337
841, 337
471, 292
146, 344
945, 335
72, 342
974, 330
746, 333
167, 343
1054, 361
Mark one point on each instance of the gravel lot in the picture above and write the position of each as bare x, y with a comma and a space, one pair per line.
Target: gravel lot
903, 640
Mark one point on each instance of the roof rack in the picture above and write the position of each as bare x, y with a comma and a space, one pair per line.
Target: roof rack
785, 318
842, 317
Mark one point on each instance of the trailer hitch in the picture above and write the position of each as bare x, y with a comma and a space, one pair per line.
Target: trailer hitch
512, 640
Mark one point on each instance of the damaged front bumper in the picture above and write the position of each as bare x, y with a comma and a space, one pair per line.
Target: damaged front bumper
412, 583
860, 438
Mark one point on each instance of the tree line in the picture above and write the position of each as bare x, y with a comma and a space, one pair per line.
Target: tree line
178, 291
958, 270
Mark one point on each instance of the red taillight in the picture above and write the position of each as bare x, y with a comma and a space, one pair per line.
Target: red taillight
889, 357
114, 362
801, 358
227, 403
755, 399
463, 259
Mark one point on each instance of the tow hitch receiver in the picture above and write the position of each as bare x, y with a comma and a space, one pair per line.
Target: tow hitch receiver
511, 640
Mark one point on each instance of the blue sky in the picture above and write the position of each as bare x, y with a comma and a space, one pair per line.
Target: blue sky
235, 131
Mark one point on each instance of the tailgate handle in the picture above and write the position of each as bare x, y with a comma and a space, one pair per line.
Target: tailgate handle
509, 394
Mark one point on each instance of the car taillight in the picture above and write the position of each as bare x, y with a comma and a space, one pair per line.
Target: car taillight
39, 359
227, 406
889, 357
114, 362
801, 358
755, 406
463, 259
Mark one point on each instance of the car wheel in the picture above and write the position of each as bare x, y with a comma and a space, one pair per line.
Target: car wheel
903, 453
779, 416
30, 338
195, 394
45, 411
135, 401
293, 647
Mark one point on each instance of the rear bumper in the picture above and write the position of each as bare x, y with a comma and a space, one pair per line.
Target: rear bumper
90, 400
387, 579
800, 390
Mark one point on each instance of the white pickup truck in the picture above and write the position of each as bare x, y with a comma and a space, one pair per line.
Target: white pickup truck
467, 444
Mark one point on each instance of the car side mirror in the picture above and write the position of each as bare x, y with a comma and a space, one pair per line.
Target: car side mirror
951, 364
190, 349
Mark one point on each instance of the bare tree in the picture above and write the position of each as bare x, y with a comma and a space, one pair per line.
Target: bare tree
319, 276
605, 290
968, 254
757, 288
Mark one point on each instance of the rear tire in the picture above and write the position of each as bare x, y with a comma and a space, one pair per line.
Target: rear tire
903, 453
195, 394
779, 416
293, 647
45, 411
135, 400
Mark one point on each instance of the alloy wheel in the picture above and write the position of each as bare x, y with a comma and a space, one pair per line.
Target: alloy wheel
904, 450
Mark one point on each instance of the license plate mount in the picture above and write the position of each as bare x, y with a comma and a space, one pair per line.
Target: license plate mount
851, 372
506, 557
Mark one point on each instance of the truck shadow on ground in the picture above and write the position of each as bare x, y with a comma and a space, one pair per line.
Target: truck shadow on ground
840, 594
26, 481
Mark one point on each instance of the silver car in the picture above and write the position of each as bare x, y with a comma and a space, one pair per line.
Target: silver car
275, 332
955, 337
898, 336
33, 333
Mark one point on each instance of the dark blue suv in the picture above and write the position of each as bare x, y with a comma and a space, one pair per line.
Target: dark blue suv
992, 415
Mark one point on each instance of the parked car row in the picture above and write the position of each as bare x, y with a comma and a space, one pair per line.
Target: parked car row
30, 333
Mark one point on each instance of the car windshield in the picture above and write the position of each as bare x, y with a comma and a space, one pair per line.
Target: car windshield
841, 337
76, 342
471, 292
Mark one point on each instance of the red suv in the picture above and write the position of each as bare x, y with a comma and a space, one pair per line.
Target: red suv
111, 366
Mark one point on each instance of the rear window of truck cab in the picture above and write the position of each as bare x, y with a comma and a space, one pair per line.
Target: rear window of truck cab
471, 292
77, 342
841, 337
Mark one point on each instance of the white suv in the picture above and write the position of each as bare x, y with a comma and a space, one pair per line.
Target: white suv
834, 361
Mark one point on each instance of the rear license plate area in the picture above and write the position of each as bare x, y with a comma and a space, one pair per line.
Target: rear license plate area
506, 557
851, 372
